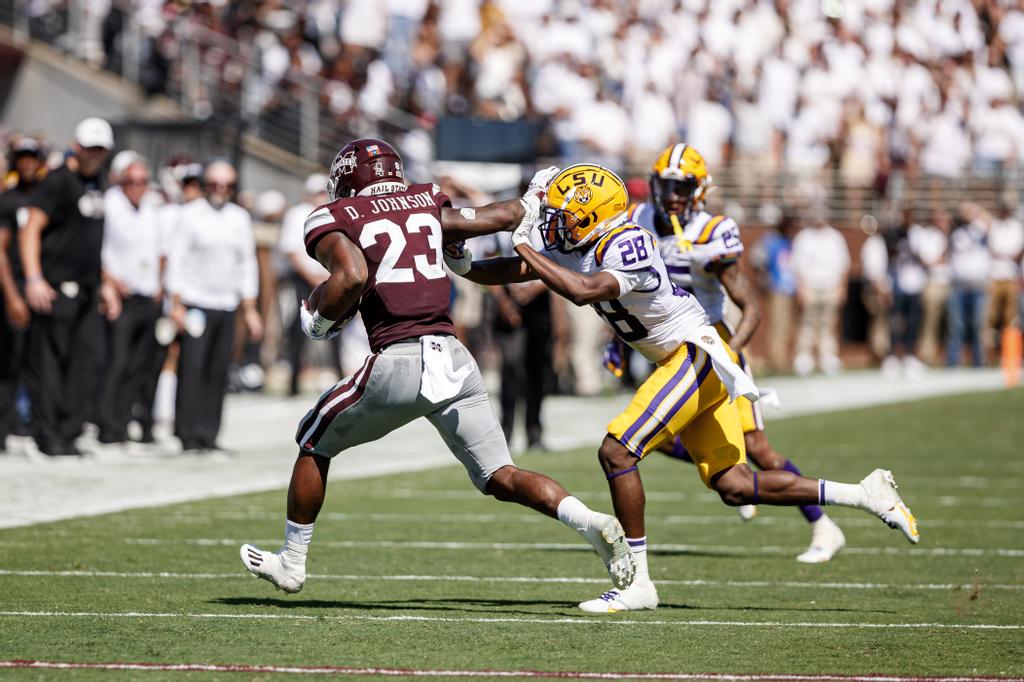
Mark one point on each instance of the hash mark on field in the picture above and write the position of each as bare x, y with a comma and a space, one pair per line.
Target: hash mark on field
508, 619
414, 672
518, 579
663, 547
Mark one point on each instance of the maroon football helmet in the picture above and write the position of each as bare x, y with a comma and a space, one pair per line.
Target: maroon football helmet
362, 163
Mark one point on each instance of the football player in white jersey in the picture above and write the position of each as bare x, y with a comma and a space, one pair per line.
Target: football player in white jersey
587, 251
701, 253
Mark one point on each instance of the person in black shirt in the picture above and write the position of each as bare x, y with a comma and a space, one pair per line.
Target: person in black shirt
28, 163
60, 247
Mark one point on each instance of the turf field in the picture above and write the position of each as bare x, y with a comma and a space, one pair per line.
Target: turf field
419, 572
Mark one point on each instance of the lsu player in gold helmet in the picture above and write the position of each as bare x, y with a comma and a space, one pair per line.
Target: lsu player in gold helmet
701, 252
587, 250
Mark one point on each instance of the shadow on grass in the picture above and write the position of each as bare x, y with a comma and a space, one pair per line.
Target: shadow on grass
498, 607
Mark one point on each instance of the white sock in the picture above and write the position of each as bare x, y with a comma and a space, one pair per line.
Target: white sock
844, 494
574, 514
297, 537
638, 548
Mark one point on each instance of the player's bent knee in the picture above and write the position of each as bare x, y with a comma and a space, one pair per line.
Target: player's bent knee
734, 486
614, 457
502, 483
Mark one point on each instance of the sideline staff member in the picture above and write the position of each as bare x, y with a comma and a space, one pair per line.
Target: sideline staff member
60, 253
28, 162
211, 269
132, 250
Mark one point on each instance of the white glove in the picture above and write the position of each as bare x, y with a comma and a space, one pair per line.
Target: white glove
531, 213
316, 326
458, 258
542, 178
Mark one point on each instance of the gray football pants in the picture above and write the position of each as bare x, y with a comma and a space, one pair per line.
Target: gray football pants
385, 395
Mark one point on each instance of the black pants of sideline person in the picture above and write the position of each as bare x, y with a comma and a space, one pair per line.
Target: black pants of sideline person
133, 361
12, 346
60, 367
297, 339
525, 358
202, 379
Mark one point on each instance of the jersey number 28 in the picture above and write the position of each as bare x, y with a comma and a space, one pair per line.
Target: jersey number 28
386, 271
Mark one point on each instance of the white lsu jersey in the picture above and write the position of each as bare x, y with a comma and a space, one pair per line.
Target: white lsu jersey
708, 241
653, 315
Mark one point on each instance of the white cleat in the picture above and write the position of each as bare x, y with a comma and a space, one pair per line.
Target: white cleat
274, 568
747, 512
883, 500
640, 595
826, 540
608, 538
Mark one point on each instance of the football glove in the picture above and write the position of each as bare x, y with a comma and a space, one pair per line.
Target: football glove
613, 358
458, 258
541, 179
531, 213
316, 326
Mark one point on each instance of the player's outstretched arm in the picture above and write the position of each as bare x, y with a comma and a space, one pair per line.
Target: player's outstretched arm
494, 271
578, 288
459, 224
742, 293
345, 262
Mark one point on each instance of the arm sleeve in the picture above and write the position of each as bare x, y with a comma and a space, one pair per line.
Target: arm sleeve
49, 195
630, 257
249, 284
725, 245
318, 223
440, 198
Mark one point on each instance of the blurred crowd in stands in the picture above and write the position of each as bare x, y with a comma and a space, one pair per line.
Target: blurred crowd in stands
197, 283
859, 87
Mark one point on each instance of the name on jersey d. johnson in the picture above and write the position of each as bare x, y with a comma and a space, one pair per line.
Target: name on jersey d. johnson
400, 203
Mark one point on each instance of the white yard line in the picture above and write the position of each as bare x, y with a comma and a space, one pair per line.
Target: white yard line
511, 619
652, 519
529, 546
433, 672
745, 584
36, 489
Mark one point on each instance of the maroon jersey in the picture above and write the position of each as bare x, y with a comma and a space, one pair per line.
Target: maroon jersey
407, 292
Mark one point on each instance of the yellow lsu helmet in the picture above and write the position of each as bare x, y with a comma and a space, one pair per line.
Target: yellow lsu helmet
679, 169
582, 202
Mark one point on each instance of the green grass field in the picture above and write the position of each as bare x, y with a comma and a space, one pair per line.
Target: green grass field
418, 571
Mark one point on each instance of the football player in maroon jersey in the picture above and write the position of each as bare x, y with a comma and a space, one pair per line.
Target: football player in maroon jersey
382, 242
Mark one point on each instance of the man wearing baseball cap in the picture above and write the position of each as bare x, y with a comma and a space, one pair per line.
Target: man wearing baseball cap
60, 245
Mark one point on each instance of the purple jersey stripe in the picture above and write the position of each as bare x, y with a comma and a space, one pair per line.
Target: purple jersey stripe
679, 404
649, 411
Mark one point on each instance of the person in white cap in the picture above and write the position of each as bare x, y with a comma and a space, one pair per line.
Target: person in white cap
303, 274
211, 274
60, 247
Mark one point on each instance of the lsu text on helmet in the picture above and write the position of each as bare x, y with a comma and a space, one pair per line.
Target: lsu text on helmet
582, 202
365, 166
679, 170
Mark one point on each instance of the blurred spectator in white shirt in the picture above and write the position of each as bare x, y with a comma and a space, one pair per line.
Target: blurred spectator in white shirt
877, 292
969, 271
821, 261
1006, 246
932, 246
